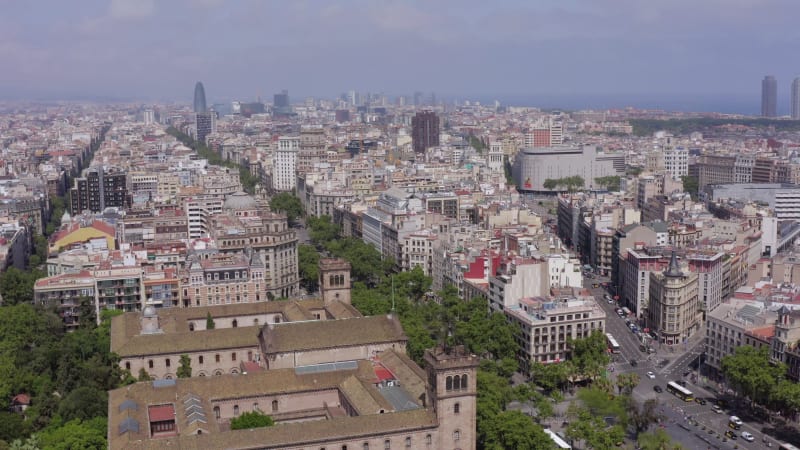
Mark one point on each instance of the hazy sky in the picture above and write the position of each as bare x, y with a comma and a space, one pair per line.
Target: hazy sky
151, 49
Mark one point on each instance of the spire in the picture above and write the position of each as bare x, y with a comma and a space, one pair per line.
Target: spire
673, 270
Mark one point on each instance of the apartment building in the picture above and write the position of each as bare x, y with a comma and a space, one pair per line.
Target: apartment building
284, 164
733, 325
786, 344
674, 309
548, 323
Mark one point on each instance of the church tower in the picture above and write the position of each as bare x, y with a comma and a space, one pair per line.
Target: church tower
452, 389
334, 280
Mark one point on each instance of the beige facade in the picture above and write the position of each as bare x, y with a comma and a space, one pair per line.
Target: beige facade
732, 325
674, 309
548, 323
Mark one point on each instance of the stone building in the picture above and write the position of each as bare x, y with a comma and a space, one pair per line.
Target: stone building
674, 309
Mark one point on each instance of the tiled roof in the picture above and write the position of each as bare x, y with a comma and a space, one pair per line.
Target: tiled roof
299, 336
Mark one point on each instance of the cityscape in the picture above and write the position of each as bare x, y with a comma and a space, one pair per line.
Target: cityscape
368, 226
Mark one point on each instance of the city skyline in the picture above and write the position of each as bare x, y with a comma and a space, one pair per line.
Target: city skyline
652, 55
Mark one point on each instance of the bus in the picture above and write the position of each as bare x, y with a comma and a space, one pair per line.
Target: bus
560, 443
613, 345
680, 391
787, 447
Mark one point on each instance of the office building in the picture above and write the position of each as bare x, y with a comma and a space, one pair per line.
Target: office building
199, 98
284, 167
769, 96
731, 326
796, 99
424, 131
98, 189
533, 166
205, 123
280, 104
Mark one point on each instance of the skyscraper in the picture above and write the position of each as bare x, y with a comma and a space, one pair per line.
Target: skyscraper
199, 98
796, 99
424, 131
769, 96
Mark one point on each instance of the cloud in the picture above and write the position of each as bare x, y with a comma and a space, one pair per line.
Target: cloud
131, 9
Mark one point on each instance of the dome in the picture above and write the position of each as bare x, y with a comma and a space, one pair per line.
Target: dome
149, 311
240, 201
66, 218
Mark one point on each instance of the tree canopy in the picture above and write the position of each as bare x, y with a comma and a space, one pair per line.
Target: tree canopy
308, 266
287, 203
571, 184
251, 419
752, 374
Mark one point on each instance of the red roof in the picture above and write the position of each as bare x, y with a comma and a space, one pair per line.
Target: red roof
21, 399
161, 413
383, 373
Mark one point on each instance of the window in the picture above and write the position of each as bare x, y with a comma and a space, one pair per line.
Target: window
464, 381
387, 444
255, 407
233, 356
456, 382
365, 446
236, 410
457, 408
127, 366
150, 363
235, 323
200, 359
408, 442
191, 326
457, 435
448, 385
216, 412
428, 439
216, 357
274, 405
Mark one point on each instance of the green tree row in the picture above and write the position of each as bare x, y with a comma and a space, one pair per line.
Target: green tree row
646, 127
248, 180
610, 182
757, 379
571, 184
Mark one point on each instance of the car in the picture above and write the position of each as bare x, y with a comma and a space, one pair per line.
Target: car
687, 373
700, 400
651, 375
735, 422
658, 389
716, 409
634, 363
748, 437
610, 301
730, 435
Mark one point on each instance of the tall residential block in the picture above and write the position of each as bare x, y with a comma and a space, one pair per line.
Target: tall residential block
796, 99
98, 189
424, 131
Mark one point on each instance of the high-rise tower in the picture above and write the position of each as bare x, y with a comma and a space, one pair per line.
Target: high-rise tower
769, 96
424, 131
199, 98
796, 99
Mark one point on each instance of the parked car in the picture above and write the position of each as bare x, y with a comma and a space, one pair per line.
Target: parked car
700, 400
658, 389
716, 409
634, 363
651, 375
730, 435
748, 437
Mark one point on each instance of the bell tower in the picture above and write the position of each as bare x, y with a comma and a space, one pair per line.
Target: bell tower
334, 280
452, 389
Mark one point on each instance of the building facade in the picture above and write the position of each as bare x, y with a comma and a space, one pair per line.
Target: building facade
424, 131
674, 309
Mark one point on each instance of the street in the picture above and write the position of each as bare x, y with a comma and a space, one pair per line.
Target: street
684, 421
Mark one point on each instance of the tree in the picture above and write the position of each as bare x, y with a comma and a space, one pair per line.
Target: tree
287, 203
12, 426
751, 372
144, 376
550, 184
322, 230
627, 382
76, 435
641, 417
514, 430
185, 369
691, 185
609, 182
16, 286
254, 419
655, 440
551, 376
308, 265
84, 403
209, 322
786, 396
594, 431
589, 356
